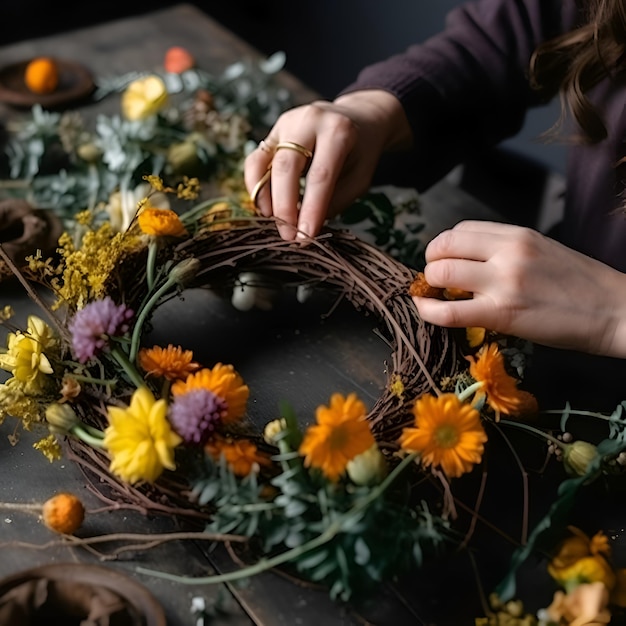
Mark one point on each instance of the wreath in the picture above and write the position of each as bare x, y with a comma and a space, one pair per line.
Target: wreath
348, 497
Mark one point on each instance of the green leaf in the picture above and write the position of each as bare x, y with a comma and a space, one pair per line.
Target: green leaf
361, 551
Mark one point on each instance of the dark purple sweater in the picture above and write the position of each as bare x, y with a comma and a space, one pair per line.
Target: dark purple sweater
466, 89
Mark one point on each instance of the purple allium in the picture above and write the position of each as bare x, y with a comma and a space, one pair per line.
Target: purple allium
94, 324
194, 414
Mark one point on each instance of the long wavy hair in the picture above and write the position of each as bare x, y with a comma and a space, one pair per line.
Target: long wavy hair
571, 64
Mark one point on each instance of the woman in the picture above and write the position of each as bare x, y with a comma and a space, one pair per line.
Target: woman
468, 88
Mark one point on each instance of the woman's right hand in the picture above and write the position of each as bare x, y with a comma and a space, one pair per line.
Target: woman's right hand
346, 137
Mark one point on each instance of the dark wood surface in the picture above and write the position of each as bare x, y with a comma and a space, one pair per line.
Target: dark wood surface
293, 353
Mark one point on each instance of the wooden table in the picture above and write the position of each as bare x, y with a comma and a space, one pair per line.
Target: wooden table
298, 355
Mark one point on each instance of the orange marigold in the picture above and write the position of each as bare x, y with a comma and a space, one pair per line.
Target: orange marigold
448, 433
242, 456
499, 386
172, 363
160, 222
63, 513
342, 432
224, 382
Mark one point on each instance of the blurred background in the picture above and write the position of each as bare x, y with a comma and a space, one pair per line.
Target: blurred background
326, 43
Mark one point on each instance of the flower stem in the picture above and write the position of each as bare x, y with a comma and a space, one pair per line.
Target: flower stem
128, 367
141, 318
265, 564
469, 391
151, 263
534, 430
83, 435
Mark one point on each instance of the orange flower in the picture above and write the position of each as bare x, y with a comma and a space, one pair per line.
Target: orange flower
224, 382
160, 222
63, 513
342, 432
172, 362
448, 433
500, 387
241, 455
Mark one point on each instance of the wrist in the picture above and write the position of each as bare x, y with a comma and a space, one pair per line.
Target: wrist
383, 109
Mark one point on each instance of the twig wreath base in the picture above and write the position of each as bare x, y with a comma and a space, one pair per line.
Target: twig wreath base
337, 262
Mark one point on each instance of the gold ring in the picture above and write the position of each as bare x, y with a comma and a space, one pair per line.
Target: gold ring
266, 147
255, 192
290, 145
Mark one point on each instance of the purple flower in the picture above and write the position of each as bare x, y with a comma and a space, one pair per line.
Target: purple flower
194, 414
94, 324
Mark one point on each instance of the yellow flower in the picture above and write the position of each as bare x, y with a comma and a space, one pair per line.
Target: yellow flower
500, 387
144, 97
25, 357
448, 434
342, 432
578, 456
582, 560
224, 382
241, 455
140, 439
160, 222
63, 513
475, 336
171, 363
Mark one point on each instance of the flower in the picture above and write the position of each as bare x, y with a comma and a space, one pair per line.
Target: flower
63, 513
61, 418
580, 559
178, 60
140, 439
448, 434
578, 456
144, 97
123, 205
342, 432
195, 414
273, 429
224, 382
475, 336
241, 455
368, 468
171, 363
586, 605
500, 388
25, 357
160, 222
94, 324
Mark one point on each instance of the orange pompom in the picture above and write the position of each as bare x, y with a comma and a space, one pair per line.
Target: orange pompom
63, 513
42, 75
178, 60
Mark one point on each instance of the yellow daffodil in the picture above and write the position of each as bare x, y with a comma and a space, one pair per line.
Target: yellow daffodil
342, 432
139, 438
499, 387
224, 382
144, 97
25, 357
448, 433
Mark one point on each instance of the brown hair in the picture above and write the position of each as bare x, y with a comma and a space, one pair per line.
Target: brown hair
574, 62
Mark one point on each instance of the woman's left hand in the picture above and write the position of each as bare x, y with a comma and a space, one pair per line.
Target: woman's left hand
527, 285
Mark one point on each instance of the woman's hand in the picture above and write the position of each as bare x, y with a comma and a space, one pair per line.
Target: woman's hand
346, 138
526, 285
